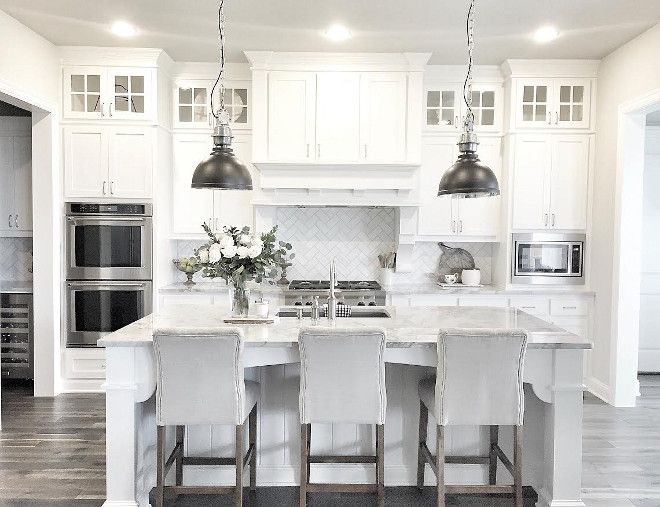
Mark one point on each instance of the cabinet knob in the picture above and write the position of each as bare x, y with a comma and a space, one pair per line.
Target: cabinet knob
103, 188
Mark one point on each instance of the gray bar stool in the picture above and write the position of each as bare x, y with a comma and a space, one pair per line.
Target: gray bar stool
342, 380
200, 381
479, 383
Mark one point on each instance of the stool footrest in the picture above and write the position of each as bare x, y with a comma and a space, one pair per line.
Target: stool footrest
314, 487
479, 489
199, 490
342, 459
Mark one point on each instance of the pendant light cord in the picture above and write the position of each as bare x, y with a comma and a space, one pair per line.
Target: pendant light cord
220, 79
467, 85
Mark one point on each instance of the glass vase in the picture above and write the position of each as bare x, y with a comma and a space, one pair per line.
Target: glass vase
240, 300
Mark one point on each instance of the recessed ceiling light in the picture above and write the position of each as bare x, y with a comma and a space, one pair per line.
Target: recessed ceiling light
545, 34
123, 29
338, 33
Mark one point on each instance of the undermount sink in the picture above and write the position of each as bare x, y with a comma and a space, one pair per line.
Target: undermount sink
355, 313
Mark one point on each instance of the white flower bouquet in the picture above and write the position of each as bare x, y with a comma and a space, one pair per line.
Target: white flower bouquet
239, 256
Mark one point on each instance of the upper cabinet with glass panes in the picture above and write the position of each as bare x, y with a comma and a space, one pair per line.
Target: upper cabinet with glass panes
445, 107
553, 103
120, 93
192, 103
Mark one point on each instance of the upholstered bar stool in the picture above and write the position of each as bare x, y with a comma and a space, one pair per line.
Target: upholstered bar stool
479, 382
200, 381
342, 380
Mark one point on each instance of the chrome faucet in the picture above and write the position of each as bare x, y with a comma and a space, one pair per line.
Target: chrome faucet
332, 297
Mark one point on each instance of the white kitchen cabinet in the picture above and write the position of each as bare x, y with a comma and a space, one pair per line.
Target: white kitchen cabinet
291, 116
553, 103
192, 104
435, 215
193, 207
485, 300
107, 162
433, 300
550, 181
537, 306
447, 216
382, 119
446, 108
15, 185
106, 93
338, 116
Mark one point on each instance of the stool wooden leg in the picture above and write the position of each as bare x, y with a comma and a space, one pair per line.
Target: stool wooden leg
380, 463
304, 462
309, 452
440, 464
238, 493
517, 463
492, 467
160, 465
252, 439
423, 428
180, 434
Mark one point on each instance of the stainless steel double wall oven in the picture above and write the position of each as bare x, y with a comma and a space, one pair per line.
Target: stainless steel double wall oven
108, 257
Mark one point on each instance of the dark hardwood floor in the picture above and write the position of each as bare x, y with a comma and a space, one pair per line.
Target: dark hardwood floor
52, 453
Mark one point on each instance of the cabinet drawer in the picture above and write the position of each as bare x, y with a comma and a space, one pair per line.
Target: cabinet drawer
533, 306
492, 301
568, 307
85, 364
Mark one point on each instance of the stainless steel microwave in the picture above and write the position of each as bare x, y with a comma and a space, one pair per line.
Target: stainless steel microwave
548, 259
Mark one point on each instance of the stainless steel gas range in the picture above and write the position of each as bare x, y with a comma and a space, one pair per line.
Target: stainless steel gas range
350, 292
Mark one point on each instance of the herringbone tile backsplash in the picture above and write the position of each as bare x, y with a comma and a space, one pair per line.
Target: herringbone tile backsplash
354, 237
15, 258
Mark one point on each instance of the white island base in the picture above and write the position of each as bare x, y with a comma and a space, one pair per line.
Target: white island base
553, 418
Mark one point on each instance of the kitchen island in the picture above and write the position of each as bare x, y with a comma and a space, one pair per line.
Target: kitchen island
553, 403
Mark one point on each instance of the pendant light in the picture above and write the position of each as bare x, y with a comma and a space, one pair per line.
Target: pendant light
221, 170
469, 177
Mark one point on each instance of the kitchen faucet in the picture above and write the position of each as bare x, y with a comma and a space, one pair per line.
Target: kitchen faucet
332, 297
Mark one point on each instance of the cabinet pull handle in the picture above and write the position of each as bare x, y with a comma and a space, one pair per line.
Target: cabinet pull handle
453, 226
16, 221
9, 220
307, 150
553, 219
545, 219
103, 189
102, 114
318, 150
110, 109
460, 226
569, 307
456, 121
556, 117
366, 152
528, 307
549, 118
112, 188
209, 120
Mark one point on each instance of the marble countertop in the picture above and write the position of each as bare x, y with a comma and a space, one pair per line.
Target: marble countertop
406, 326
15, 287
401, 289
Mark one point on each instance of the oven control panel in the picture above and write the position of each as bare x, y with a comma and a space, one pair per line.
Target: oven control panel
91, 208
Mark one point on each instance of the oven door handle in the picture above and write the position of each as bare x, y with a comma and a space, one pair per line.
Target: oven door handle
106, 219
111, 285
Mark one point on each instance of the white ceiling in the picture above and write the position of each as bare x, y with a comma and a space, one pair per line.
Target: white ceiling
186, 29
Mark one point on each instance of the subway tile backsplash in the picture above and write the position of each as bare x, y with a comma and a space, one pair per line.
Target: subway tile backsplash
354, 237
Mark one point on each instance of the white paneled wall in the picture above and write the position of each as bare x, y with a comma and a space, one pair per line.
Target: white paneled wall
15, 258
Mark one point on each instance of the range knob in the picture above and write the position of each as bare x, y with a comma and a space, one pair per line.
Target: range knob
309, 303
361, 303
372, 303
298, 303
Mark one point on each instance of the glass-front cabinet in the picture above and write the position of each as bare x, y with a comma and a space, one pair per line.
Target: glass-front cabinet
108, 93
553, 103
192, 103
445, 107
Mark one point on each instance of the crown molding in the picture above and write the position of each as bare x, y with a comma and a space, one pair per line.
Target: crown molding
550, 68
271, 60
115, 57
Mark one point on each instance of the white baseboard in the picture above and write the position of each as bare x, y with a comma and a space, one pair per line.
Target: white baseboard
543, 501
119, 503
599, 389
80, 385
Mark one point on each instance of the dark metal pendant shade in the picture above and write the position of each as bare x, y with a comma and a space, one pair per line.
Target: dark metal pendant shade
469, 177
222, 171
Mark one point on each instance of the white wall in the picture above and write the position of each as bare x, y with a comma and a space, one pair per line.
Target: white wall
649, 317
627, 74
29, 78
